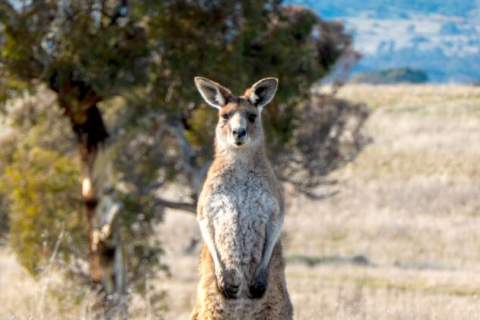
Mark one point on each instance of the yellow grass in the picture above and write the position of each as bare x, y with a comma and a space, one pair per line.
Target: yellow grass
399, 241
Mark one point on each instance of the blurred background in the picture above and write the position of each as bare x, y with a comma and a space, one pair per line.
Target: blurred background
105, 142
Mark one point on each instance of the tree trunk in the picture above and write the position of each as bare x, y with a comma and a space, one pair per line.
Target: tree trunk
108, 269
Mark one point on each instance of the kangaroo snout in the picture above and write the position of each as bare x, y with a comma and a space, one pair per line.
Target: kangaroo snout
239, 135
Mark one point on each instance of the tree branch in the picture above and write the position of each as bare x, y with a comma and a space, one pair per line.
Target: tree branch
189, 156
185, 206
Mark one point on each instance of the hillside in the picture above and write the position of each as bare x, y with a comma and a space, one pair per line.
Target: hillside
439, 37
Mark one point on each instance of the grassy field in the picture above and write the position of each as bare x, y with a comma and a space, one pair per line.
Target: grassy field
400, 240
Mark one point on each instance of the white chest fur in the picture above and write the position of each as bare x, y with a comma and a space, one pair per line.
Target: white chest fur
240, 205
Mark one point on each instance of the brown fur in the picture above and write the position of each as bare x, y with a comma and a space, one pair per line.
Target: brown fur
211, 304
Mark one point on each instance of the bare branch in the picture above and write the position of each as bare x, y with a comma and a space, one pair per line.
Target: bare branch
77, 272
185, 206
189, 156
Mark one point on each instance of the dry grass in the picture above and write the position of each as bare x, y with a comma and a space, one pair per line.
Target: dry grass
399, 241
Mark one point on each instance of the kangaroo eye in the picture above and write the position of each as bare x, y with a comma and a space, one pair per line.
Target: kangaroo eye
225, 116
252, 118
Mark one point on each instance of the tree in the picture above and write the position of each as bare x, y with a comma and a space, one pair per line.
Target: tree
85, 52
137, 60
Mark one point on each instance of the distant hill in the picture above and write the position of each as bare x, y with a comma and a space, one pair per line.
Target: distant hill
441, 37
391, 76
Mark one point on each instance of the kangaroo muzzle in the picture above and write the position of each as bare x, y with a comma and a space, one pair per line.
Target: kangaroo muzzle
239, 129
239, 135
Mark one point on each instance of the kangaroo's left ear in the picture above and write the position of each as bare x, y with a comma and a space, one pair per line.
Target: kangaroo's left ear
262, 92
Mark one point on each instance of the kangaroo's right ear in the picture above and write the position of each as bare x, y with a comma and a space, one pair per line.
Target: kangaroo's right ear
214, 94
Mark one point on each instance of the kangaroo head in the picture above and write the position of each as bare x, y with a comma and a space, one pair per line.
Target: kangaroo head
239, 124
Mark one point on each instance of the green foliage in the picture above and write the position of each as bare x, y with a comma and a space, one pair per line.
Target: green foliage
144, 249
41, 42
7, 149
41, 186
235, 43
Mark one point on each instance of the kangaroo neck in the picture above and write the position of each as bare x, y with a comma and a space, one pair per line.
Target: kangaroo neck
249, 156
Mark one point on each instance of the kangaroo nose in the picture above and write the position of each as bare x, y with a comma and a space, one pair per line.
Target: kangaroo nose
239, 133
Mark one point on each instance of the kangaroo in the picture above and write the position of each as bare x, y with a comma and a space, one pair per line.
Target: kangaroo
240, 212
